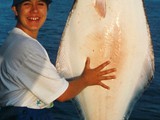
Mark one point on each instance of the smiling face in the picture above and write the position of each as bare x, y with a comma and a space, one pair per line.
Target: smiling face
31, 15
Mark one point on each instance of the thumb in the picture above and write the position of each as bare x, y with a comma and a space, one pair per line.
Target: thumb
104, 86
87, 64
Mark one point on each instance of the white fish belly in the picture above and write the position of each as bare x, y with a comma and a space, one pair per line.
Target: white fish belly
121, 36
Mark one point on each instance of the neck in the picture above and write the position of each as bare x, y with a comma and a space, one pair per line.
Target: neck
31, 33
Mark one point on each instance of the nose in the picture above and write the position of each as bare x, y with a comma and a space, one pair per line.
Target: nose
34, 8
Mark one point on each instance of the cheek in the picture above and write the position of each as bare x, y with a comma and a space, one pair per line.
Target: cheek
22, 13
44, 14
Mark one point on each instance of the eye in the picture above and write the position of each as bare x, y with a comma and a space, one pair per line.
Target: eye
41, 3
27, 3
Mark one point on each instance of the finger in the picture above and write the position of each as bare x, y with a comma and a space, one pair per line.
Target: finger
104, 86
103, 65
107, 77
87, 64
108, 71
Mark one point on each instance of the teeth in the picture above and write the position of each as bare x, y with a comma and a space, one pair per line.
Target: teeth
34, 18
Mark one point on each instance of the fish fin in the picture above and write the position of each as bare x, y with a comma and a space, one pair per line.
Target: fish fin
100, 6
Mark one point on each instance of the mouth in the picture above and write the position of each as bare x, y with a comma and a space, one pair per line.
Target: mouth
34, 18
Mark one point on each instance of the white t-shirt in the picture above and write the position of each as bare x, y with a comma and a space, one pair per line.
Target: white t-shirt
27, 77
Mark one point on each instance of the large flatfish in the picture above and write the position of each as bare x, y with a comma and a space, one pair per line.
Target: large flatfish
115, 30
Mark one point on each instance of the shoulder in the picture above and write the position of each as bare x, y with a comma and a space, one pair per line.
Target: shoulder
22, 42
22, 47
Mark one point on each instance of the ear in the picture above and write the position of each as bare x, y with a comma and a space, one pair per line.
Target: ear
15, 10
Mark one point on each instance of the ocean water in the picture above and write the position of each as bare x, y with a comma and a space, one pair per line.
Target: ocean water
148, 107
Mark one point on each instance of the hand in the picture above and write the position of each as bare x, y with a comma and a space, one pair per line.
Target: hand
89, 77
96, 75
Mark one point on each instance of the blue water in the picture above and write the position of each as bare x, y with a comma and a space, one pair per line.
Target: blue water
148, 107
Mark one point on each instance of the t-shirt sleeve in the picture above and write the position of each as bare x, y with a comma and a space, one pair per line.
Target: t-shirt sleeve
39, 75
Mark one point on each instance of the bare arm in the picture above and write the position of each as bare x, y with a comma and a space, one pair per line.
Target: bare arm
89, 77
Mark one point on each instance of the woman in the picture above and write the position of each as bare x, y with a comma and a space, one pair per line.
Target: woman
29, 82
